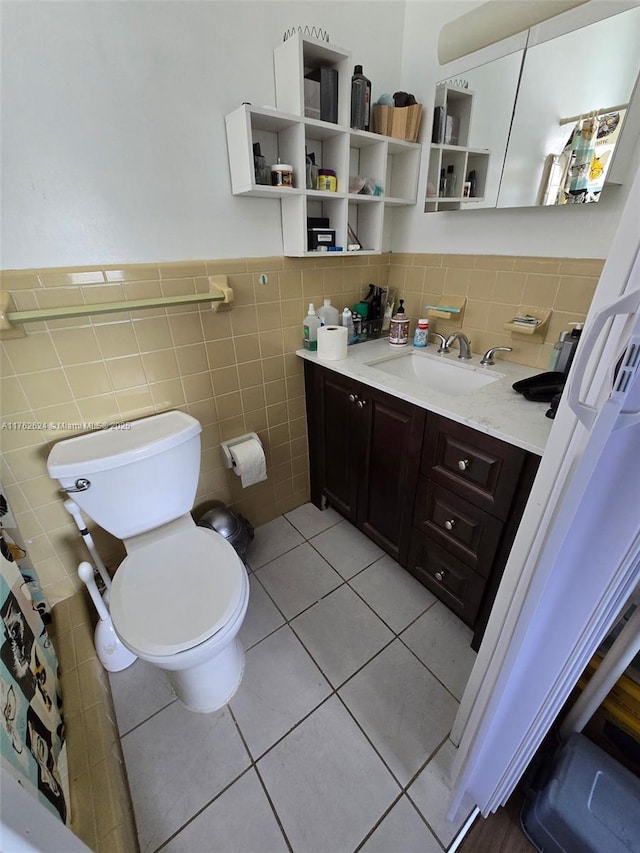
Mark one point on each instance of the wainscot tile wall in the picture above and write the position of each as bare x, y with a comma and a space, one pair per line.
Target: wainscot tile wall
236, 371
494, 286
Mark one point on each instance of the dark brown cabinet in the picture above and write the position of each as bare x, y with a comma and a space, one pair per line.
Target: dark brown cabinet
365, 450
443, 499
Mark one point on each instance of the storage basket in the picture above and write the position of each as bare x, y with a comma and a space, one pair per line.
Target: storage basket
399, 122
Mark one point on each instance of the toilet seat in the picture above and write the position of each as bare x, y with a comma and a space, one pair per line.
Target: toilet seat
177, 591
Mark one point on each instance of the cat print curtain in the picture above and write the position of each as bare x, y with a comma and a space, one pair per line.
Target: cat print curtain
32, 731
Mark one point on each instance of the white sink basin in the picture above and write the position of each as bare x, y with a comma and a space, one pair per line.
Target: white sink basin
431, 371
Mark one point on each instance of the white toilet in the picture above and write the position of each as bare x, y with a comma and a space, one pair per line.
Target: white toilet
180, 595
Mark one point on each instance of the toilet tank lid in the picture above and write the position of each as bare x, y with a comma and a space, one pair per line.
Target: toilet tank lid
121, 444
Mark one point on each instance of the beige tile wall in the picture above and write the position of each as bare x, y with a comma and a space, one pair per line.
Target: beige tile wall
100, 802
494, 286
235, 371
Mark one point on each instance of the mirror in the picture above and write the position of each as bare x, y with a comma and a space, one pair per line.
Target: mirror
548, 120
480, 124
569, 113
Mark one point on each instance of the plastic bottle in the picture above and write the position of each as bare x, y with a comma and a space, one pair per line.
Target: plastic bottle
569, 346
346, 319
451, 182
311, 324
360, 100
555, 352
442, 185
311, 172
421, 334
329, 316
473, 181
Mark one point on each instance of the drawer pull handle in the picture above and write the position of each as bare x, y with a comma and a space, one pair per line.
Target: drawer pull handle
450, 523
463, 464
353, 398
361, 404
439, 576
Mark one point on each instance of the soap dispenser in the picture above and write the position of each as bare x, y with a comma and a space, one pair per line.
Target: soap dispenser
399, 328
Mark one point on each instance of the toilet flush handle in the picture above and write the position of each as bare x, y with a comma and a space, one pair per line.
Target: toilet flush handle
81, 486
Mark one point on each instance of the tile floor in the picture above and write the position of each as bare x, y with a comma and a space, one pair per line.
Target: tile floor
337, 739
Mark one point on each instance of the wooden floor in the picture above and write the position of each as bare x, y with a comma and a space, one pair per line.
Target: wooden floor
499, 833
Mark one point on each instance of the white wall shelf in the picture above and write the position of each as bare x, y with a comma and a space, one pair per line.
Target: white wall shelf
287, 134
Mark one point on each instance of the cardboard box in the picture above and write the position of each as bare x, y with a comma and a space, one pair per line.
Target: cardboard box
398, 122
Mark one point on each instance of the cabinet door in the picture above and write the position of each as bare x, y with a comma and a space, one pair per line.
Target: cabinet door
458, 586
337, 450
392, 432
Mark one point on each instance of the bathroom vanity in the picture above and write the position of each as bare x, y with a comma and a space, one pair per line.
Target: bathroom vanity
437, 478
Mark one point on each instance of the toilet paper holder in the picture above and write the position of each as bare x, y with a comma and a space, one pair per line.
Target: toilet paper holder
226, 446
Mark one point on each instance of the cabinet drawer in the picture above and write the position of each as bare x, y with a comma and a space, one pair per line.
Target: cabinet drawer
455, 584
480, 468
469, 533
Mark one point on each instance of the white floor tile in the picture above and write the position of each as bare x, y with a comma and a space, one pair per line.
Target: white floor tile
442, 642
327, 784
341, 633
402, 831
403, 709
239, 821
262, 616
395, 595
298, 579
138, 692
271, 540
431, 793
177, 762
347, 549
309, 520
281, 684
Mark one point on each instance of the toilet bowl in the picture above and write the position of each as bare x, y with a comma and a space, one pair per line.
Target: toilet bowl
179, 597
178, 602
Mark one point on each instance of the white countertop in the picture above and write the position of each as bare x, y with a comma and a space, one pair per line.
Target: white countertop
495, 409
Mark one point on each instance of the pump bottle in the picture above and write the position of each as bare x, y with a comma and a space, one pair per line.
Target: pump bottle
310, 327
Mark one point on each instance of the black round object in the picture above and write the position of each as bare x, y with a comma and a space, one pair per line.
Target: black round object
235, 528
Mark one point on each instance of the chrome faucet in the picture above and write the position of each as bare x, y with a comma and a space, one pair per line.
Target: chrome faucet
463, 343
487, 358
443, 341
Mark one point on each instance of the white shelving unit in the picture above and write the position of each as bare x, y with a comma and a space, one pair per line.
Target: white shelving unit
457, 104
287, 133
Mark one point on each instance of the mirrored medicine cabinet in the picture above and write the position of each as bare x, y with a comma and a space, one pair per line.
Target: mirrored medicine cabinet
539, 126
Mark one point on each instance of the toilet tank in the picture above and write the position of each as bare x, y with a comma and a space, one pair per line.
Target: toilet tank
142, 474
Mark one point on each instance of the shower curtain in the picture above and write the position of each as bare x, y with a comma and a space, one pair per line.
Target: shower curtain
32, 731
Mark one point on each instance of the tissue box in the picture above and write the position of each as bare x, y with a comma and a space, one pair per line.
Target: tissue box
399, 122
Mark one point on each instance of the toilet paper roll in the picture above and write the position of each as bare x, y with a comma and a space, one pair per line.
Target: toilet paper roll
332, 342
249, 461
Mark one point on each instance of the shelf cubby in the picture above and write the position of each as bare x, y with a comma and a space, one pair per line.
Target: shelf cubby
457, 104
